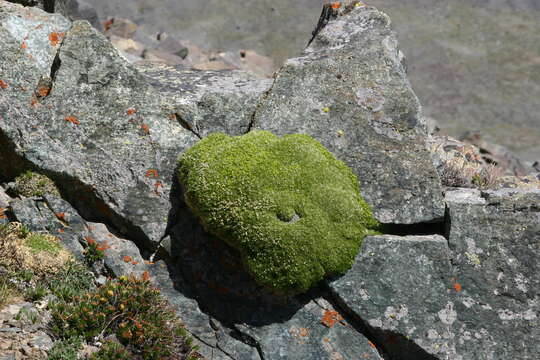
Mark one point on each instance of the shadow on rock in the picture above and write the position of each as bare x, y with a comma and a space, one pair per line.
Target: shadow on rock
204, 267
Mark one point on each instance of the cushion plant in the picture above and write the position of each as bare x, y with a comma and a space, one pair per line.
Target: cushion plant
292, 210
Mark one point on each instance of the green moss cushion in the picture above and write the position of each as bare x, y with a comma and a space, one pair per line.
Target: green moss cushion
286, 204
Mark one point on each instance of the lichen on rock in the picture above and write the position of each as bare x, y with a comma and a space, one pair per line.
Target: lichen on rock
292, 210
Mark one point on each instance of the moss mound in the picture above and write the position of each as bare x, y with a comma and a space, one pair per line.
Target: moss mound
292, 210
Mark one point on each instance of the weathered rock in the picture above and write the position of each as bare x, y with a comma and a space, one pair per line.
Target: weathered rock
249, 60
207, 101
349, 91
400, 287
123, 28
76, 10
495, 240
98, 130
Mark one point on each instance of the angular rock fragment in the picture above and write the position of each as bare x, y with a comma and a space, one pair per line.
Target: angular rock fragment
207, 101
349, 91
400, 287
494, 237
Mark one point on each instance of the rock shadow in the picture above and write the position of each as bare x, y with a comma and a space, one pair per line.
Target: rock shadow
206, 269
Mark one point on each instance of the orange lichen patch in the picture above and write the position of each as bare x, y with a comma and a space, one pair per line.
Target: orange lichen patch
457, 287
61, 230
72, 119
89, 240
2, 213
23, 45
326, 340
44, 91
61, 216
330, 318
134, 262
148, 262
130, 111
371, 344
145, 276
151, 173
3, 84
33, 102
107, 24
104, 246
158, 185
145, 128
127, 259
55, 38
335, 5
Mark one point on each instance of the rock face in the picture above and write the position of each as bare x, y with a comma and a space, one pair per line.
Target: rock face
409, 311
494, 237
79, 112
349, 91
475, 296
205, 101
109, 135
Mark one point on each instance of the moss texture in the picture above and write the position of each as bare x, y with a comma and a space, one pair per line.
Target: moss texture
292, 210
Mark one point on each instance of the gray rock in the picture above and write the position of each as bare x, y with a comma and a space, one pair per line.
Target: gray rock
349, 91
55, 216
4, 198
121, 257
77, 10
400, 288
99, 133
207, 101
495, 241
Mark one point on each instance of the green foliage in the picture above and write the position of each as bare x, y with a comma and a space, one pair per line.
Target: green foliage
65, 349
292, 210
129, 308
7, 291
93, 252
111, 351
33, 184
39, 242
35, 293
71, 281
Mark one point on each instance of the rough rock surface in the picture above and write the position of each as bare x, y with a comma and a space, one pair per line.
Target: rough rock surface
74, 108
350, 92
408, 306
494, 237
474, 296
207, 101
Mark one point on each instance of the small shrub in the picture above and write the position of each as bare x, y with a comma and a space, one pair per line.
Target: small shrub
65, 349
7, 292
94, 251
129, 308
72, 280
31, 184
111, 351
35, 293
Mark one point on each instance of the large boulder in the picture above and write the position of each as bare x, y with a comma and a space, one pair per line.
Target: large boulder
349, 91
73, 108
